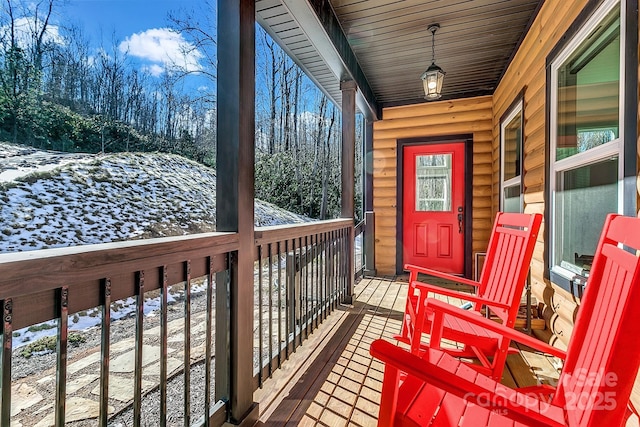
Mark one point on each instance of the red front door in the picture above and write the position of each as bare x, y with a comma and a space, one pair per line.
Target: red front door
433, 206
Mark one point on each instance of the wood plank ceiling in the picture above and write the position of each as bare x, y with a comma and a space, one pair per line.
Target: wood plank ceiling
392, 45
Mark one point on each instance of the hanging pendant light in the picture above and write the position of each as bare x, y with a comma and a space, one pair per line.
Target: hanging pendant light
433, 77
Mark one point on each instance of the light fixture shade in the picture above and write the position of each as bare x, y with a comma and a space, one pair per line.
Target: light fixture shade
432, 80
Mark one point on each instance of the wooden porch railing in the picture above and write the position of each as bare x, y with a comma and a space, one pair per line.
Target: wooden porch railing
51, 284
301, 277
310, 260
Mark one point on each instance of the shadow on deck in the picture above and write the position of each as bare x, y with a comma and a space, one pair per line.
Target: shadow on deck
332, 380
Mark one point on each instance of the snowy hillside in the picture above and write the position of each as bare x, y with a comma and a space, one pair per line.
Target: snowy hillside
52, 199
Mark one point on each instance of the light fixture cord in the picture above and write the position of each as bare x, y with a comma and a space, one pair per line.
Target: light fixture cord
433, 46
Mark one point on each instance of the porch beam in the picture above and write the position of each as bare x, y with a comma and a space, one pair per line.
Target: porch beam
319, 22
235, 201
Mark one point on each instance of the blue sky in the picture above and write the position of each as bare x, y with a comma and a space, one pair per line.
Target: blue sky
140, 28
124, 16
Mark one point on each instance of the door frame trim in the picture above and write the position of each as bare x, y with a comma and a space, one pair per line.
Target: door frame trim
467, 139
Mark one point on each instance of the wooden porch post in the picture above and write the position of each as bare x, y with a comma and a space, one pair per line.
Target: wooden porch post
348, 146
348, 89
234, 205
367, 171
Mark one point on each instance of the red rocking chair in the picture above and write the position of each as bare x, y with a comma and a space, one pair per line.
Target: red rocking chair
500, 288
600, 366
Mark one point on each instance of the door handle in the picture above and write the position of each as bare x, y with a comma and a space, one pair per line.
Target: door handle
460, 220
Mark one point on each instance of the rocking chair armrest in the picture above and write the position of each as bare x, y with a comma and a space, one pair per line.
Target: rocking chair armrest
425, 287
452, 376
424, 270
495, 327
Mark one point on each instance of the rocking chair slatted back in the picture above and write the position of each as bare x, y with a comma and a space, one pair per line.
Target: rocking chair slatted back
604, 351
506, 266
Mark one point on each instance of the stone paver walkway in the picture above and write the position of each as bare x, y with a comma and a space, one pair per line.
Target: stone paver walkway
33, 397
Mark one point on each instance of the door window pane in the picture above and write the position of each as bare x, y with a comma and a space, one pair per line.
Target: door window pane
433, 182
589, 90
583, 198
512, 144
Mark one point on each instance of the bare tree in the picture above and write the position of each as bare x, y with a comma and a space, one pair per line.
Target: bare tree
326, 167
201, 28
23, 53
273, 84
318, 142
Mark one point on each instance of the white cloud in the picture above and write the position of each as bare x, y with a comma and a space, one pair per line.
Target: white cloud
28, 28
165, 47
154, 69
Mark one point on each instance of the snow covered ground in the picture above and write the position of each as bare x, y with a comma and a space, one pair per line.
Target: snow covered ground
51, 199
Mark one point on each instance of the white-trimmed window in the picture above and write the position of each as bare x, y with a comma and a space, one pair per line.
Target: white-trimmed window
586, 138
511, 199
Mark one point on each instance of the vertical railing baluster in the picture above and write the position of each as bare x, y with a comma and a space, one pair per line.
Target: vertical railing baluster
337, 267
306, 285
328, 270
222, 362
346, 253
270, 309
279, 255
348, 263
323, 274
260, 330
207, 343
340, 267
7, 348
164, 348
137, 382
295, 286
340, 261
61, 359
343, 265
320, 274
340, 264
314, 278
187, 345
300, 290
312, 282
333, 269
316, 257
287, 298
104, 348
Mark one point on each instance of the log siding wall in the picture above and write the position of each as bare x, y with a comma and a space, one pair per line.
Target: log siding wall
468, 116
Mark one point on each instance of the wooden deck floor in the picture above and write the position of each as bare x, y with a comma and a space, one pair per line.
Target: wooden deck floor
332, 380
